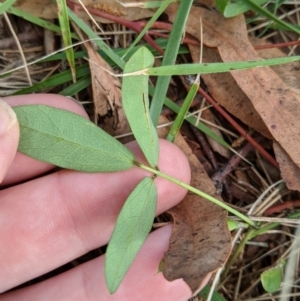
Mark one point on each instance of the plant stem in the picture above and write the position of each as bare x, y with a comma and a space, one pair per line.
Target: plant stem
198, 192
237, 252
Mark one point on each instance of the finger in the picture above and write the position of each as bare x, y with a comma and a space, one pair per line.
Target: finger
9, 137
86, 282
24, 167
49, 221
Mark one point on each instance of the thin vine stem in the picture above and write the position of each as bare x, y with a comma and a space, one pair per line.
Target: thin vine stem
198, 192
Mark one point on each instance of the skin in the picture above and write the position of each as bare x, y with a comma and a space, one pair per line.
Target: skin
50, 220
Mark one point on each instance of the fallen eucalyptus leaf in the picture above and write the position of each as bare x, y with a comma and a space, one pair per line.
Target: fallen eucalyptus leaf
136, 104
68, 140
132, 228
200, 241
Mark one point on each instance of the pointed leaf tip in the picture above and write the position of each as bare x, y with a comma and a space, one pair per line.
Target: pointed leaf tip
136, 104
68, 140
132, 228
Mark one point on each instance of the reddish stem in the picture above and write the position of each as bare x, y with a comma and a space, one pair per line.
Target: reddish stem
238, 128
280, 207
132, 25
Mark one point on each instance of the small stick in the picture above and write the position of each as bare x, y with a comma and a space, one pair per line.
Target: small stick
262, 151
222, 173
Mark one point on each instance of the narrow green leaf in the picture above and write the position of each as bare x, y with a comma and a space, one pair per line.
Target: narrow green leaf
54, 80
263, 12
207, 68
169, 58
6, 5
132, 228
98, 41
271, 278
38, 21
63, 19
182, 113
136, 105
68, 140
75, 88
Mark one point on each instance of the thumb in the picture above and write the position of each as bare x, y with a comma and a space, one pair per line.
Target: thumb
9, 137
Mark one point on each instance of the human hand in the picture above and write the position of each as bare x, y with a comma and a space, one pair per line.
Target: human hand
51, 220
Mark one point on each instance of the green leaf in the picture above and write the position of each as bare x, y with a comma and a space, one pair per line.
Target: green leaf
182, 113
236, 8
206, 68
6, 5
66, 34
271, 278
169, 58
215, 296
38, 21
98, 41
68, 140
132, 228
136, 104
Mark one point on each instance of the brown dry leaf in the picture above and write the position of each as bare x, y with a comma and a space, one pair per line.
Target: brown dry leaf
277, 104
227, 93
106, 91
200, 241
47, 9
289, 171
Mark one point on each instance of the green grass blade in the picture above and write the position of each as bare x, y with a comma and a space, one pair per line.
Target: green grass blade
99, 42
207, 68
4, 6
161, 9
132, 228
46, 134
192, 120
136, 105
169, 59
38, 21
64, 23
255, 6
77, 87
182, 113
54, 80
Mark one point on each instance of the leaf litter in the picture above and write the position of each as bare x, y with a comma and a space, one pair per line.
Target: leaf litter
283, 157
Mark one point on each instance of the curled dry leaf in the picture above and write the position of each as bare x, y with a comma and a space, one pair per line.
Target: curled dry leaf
106, 93
200, 241
47, 9
276, 104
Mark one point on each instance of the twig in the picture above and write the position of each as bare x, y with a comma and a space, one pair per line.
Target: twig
262, 151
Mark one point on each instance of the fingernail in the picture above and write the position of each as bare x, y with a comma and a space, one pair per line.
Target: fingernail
7, 117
